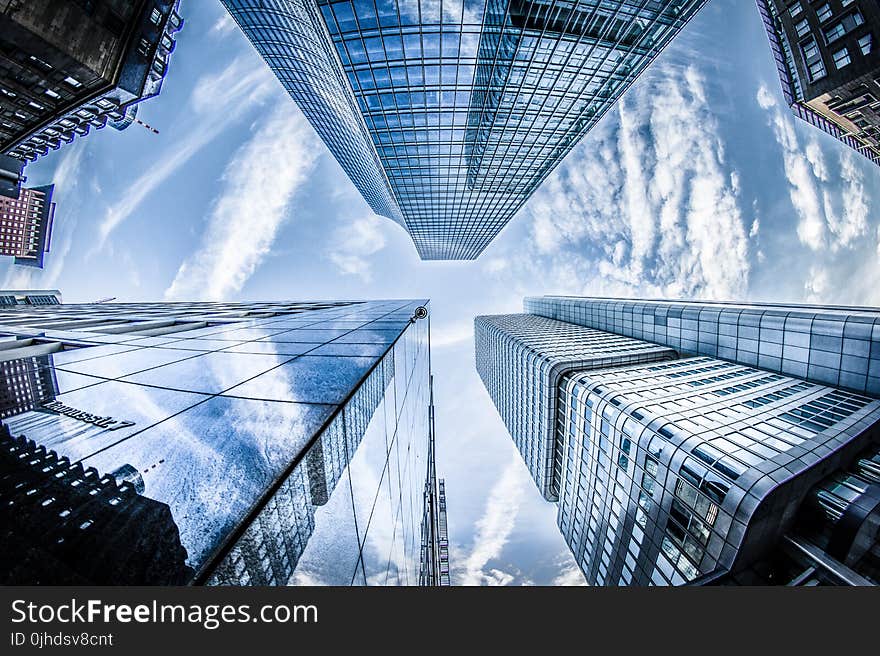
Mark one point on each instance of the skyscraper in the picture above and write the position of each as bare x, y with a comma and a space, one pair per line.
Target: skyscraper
26, 225
447, 116
267, 443
67, 66
828, 61
713, 443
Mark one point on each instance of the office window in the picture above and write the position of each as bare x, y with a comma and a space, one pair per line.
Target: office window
824, 12
810, 50
803, 27
795, 9
841, 58
866, 43
817, 70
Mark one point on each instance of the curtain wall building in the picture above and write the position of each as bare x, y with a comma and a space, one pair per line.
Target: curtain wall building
697, 443
828, 58
447, 116
218, 443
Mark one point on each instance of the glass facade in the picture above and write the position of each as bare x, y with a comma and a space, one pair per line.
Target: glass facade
521, 358
465, 107
689, 470
251, 443
670, 470
838, 346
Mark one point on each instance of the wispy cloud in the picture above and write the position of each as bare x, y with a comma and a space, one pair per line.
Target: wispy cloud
352, 244
494, 528
569, 574
219, 100
445, 335
223, 26
259, 184
831, 205
647, 204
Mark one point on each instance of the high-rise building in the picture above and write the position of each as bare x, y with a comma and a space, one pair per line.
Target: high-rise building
828, 58
67, 66
267, 443
29, 297
26, 225
448, 116
713, 443
11, 176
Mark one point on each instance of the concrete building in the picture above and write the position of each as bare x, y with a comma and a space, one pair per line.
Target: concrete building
70, 66
26, 225
828, 60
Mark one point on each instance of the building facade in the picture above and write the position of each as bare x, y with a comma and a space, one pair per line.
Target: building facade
828, 60
447, 116
26, 225
70, 66
266, 443
699, 464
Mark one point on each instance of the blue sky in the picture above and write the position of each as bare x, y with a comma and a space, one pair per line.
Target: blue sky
700, 184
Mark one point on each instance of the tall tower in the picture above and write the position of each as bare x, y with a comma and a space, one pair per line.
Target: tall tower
272, 443
26, 225
697, 443
448, 116
828, 58
70, 66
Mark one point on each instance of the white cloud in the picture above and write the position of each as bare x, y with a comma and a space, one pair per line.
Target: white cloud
444, 335
224, 25
647, 204
832, 206
352, 244
219, 99
258, 185
756, 227
493, 529
569, 575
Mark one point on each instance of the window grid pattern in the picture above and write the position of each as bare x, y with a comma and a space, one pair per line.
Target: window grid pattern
325, 404
832, 346
663, 467
521, 358
469, 105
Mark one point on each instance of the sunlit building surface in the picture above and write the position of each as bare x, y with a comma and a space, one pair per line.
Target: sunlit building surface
704, 462
828, 58
215, 443
448, 116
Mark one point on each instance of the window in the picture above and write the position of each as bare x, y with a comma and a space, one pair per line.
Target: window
824, 12
810, 50
72, 81
834, 33
795, 9
865, 43
155, 16
841, 58
803, 27
817, 70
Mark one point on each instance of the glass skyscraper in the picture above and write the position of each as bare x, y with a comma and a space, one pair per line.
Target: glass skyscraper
714, 443
216, 443
448, 115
